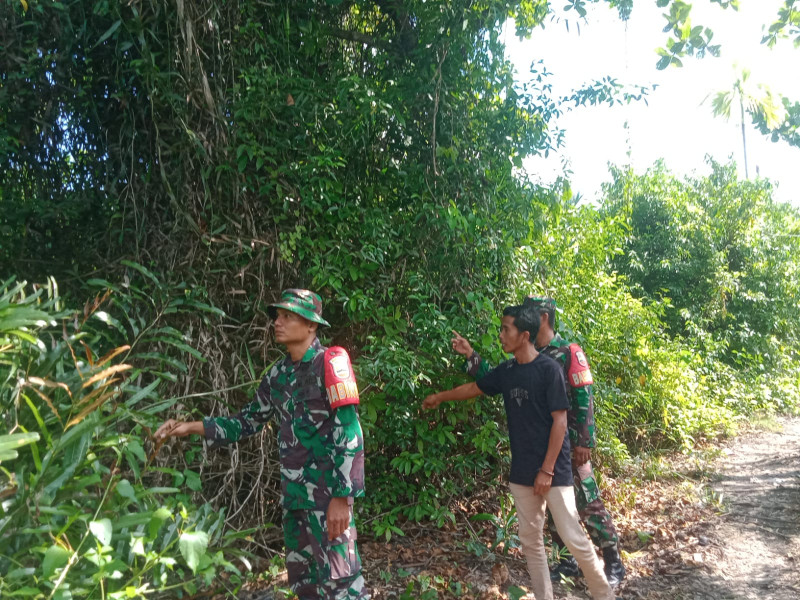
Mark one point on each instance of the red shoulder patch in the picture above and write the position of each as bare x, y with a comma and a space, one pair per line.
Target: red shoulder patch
340, 382
579, 374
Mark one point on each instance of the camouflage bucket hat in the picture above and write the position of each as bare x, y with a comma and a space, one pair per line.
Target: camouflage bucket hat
305, 303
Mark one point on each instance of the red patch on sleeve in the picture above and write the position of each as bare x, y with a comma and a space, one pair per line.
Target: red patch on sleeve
340, 382
579, 374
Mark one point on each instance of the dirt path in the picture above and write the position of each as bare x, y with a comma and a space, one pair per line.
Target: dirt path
720, 524
752, 549
723, 524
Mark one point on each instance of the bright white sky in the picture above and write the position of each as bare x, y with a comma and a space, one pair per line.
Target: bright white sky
675, 124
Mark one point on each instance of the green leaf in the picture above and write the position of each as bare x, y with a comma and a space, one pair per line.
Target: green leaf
32, 339
20, 573
23, 317
159, 516
55, 557
163, 490
9, 443
193, 481
101, 530
483, 517
109, 320
125, 489
137, 547
63, 593
74, 453
135, 447
142, 393
25, 592
109, 32
206, 308
102, 283
142, 270
193, 546
132, 520
516, 593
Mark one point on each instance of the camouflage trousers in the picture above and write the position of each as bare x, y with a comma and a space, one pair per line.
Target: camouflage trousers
591, 509
320, 569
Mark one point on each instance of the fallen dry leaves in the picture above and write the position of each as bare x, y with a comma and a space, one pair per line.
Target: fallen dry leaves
666, 526
667, 517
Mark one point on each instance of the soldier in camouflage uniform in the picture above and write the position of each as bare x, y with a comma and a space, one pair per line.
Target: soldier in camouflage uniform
580, 421
321, 450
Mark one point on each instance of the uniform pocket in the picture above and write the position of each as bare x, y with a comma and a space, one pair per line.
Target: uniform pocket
588, 483
344, 560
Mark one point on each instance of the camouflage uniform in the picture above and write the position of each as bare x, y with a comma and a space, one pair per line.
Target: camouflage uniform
322, 457
580, 422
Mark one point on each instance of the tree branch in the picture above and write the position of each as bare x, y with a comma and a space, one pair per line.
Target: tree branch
361, 38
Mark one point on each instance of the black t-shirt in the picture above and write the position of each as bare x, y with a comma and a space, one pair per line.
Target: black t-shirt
531, 391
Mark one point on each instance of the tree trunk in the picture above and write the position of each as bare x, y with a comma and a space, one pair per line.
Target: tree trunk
744, 140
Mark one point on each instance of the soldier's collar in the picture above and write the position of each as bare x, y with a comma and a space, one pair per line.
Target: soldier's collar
312, 351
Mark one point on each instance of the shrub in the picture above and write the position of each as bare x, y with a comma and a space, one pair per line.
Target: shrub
81, 516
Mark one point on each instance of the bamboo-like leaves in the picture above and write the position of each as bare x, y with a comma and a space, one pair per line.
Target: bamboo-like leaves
50, 384
98, 401
10, 443
79, 370
49, 403
105, 373
112, 354
97, 397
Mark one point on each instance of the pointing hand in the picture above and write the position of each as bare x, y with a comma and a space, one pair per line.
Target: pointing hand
431, 402
461, 345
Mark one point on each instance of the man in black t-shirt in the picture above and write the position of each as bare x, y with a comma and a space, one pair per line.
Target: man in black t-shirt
536, 404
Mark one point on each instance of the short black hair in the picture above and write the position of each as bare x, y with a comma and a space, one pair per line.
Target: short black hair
525, 319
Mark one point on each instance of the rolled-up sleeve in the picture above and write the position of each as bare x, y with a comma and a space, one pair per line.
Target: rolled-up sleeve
348, 454
582, 417
581, 412
476, 366
220, 431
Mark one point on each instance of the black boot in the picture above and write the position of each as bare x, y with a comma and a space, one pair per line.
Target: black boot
615, 570
567, 566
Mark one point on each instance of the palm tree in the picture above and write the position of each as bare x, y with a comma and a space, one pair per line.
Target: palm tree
752, 99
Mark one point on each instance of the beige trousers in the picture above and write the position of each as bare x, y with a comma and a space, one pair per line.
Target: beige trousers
561, 502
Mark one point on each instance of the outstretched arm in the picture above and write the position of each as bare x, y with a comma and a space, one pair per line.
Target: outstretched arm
172, 428
226, 430
462, 392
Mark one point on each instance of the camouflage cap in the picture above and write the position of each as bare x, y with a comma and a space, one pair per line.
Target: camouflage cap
543, 303
305, 303
540, 302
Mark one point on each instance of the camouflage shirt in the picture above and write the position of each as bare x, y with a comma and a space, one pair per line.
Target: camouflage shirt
321, 450
580, 416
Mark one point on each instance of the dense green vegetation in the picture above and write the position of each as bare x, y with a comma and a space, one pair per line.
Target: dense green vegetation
86, 512
179, 164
